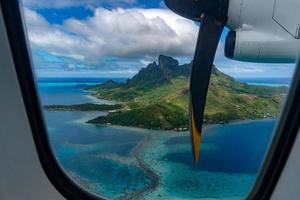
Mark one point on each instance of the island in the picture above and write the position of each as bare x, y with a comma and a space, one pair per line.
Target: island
157, 97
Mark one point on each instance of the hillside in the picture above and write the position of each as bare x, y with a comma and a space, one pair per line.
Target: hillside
157, 98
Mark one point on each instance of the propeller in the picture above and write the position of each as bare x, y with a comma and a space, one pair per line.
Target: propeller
213, 15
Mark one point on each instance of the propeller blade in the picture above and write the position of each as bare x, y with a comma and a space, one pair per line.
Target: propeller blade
207, 43
190, 9
213, 15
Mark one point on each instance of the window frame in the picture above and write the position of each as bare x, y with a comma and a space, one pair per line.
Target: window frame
273, 164
284, 136
12, 14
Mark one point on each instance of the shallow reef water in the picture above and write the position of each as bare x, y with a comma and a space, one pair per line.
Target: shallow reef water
131, 163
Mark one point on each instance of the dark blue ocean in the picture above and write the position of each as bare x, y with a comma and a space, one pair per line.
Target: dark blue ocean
69, 90
267, 81
106, 160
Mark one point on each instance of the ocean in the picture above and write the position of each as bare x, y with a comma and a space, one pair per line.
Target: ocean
275, 82
130, 163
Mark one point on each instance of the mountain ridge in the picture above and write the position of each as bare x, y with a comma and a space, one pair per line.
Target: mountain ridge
157, 98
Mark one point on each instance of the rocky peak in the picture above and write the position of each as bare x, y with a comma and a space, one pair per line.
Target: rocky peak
167, 62
166, 69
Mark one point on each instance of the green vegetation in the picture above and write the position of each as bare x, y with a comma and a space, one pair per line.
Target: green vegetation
153, 116
157, 98
82, 107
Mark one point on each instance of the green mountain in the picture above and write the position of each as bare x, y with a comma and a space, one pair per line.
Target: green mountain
157, 98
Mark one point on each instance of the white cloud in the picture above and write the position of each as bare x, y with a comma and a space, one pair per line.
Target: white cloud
245, 69
52, 39
131, 33
72, 3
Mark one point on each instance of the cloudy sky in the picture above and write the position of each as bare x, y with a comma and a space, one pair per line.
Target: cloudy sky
115, 38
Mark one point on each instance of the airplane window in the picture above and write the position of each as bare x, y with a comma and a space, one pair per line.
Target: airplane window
113, 79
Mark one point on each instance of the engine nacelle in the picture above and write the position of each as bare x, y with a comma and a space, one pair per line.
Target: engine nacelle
255, 46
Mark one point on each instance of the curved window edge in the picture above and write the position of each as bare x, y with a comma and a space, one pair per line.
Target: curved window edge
12, 14
281, 145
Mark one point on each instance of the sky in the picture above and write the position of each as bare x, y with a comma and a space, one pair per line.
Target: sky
116, 38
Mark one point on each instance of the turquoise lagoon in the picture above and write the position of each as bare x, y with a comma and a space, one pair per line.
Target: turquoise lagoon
130, 163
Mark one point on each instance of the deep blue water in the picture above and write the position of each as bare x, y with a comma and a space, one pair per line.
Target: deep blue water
100, 157
77, 80
240, 148
267, 81
69, 90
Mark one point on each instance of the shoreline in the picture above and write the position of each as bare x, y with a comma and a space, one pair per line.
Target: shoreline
97, 101
205, 126
93, 114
